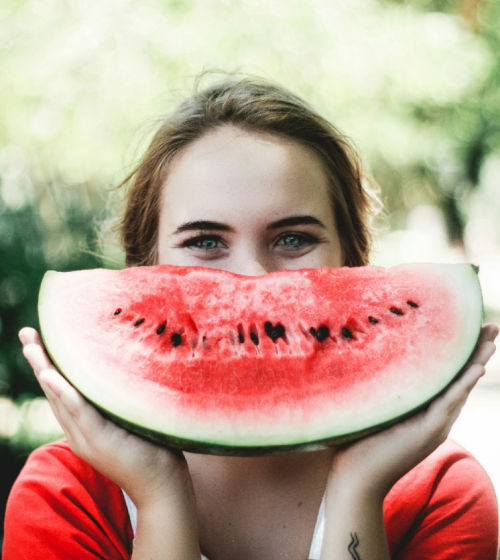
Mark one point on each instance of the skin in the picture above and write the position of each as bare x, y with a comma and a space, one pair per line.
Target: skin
264, 206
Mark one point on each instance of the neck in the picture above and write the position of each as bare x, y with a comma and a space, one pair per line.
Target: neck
271, 502
235, 475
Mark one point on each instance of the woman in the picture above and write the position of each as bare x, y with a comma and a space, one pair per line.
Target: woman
246, 177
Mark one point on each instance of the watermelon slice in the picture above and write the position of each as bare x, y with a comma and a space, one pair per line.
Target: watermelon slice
214, 362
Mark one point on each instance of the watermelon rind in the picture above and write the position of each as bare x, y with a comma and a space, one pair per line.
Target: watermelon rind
218, 434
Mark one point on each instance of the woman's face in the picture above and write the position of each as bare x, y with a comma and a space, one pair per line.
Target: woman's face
247, 203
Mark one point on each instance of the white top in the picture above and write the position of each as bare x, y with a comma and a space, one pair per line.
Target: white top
316, 543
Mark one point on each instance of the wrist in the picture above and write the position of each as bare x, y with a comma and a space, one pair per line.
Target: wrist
163, 491
356, 487
167, 527
354, 520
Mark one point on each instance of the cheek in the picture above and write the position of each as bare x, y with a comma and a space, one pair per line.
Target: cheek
167, 255
331, 256
326, 255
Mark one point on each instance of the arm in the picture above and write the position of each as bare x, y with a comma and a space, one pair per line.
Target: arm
156, 479
60, 507
454, 501
362, 473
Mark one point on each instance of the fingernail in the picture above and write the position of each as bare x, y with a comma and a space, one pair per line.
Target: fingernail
22, 337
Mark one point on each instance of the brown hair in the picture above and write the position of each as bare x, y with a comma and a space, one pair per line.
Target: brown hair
254, 105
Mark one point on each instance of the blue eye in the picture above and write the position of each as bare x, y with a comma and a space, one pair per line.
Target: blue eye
291, 240
296, 240
205, 242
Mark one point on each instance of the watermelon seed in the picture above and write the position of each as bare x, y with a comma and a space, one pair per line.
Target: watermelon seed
412, 304
161, 328
346, 333
254, 337
322, 333
176, 339
139, 322
396, 311
118, 311
372, 320
241, 334
274, 332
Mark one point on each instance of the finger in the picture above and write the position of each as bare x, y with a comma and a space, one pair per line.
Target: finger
37, 358
483, 353
446, 408
491, 331
488, 333
27, 335
61, 388
54, 405
64, 407
79, 418
41, 365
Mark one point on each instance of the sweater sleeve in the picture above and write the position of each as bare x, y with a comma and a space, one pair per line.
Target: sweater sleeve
444, 509
60, 508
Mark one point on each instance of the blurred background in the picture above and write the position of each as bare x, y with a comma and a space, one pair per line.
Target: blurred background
414, 84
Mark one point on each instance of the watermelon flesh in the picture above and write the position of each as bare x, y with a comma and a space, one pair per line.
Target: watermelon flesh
215, 362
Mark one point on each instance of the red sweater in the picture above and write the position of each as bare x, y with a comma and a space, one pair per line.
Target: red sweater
60, 508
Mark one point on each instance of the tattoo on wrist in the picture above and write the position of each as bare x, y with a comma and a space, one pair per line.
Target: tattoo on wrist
353, 545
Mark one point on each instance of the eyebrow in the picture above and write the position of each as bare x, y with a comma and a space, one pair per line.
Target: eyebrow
203, 224
219, 226
296, 221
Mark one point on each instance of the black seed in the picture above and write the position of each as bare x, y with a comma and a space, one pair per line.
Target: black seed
254, 337
396, 311
139, 322
241, 334
372, 320
176, 339
412, 303
118, 311
161, 328
346, 333
321, 333
274, 332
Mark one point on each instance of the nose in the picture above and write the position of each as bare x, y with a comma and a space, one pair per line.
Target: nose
253, 267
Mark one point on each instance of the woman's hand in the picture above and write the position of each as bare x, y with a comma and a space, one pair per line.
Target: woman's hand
142, 469
363, 472
156, 479
376, 462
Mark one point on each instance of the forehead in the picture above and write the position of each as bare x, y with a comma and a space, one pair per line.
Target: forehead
230, 170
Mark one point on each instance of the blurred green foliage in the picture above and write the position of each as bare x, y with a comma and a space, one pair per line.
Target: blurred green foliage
415, 84
49, 233
468, 127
